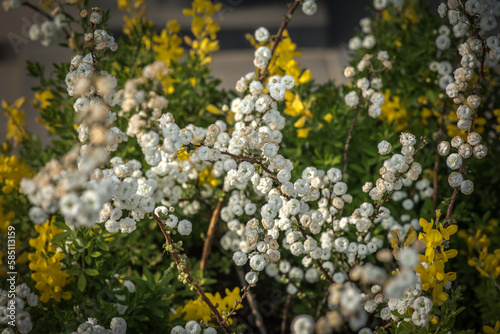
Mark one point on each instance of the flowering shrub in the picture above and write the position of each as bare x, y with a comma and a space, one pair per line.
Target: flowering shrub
311, 208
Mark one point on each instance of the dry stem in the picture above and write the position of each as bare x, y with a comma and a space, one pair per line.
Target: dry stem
210, 234
183, 269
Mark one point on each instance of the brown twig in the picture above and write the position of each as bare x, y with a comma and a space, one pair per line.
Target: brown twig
285, 314
279, 36
210, 234
38, 10
318, 262
252, 302
349, 136
189, 278
307, 298
437, 156
320, 307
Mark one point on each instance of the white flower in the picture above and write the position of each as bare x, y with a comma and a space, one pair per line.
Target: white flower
277, 91
192, 327
261, 34
257, 262
408, 204
288, 81
443, 42
309, 7
355, 43
480, 151
303, 324
420, 319
184, 227
349, 72
408, 257
455, 179
340, 188
422, 304
127, 225
37, 215
467, 187
352, 99
251, 277
443, 148
454, 161
341, 244
384, 147
334, 174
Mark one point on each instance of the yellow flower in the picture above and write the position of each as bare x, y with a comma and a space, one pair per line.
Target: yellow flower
197, 310
45, 264
41, 100
491, 330
203, 28
393, 110
16, 123
12, 170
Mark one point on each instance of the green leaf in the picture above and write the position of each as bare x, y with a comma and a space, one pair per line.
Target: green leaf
102, 245
95, 254
73, 271
91, 272
82, 282
61, 225
60, 237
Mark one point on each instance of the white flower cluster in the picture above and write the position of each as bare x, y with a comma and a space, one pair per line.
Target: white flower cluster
192, 327
398, 167
455, 160
49, 32
73, 185
118, 326
101, 39
184, 227
369, 90
15, 312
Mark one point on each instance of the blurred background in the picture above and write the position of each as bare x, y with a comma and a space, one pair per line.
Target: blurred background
322, 38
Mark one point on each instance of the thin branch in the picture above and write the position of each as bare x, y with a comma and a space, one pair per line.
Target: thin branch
252, 302
285, 314
210, 234
38, 10
346, 147
437, 156
318, 262
306, 297
320, 307
183, 269
279, 36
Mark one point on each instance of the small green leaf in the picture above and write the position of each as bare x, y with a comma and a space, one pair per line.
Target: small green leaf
73, 271
102, 245
91, 272
61, 225
95, 254
82, 282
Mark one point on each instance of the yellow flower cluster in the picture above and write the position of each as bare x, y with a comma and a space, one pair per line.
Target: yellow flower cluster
203, 28
197, 310
479, 257
42, 101
12, 170
167, 45
136, 9
432, 263
46, 266
16, 122
394, 110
